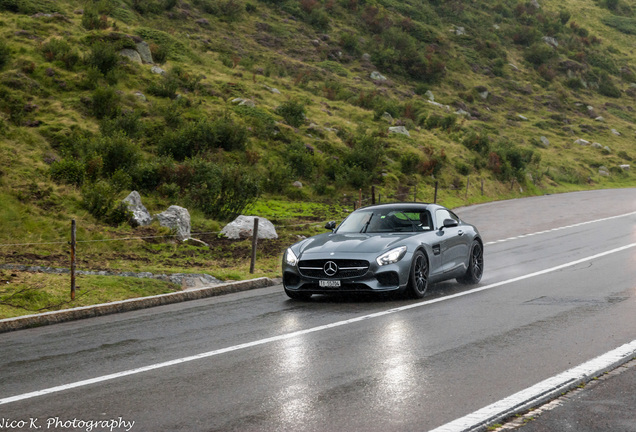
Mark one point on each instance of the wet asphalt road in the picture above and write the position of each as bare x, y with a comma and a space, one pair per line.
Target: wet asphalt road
257, 361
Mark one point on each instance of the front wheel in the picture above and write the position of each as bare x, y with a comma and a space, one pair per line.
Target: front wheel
418, 278
475, 268
295, 295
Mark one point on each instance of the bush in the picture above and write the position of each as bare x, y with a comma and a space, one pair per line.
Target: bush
606, 87
118, 152
127, 122
60, 50
105, 102
103, 56
477, 143
300, 160
70, 171
539, 53
91, 20
98, 198
220, 192
293, 112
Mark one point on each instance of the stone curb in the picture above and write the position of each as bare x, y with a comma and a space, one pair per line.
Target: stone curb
47, 318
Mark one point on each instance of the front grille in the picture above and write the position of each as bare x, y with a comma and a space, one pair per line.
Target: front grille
346, 268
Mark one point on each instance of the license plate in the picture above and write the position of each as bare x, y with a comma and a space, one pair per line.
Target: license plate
329, 284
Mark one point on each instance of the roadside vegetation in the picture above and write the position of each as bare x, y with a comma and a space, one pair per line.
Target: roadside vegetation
282, 109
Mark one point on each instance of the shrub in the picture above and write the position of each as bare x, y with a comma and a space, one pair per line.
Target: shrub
220, 192
367, 153
98, 198
477, 143
91, 20
105, 102
126, 121
539, 53
118, 152
70, 171
103, 56
409, 162
293, 112
60, 50
300, 160
228, 134
606, 87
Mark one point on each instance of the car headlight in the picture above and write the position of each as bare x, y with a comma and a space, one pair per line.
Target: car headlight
290, 257
392, 256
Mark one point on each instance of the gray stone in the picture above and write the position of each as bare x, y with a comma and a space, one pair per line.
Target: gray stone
399, 130
157, 70
297, 184
242, 227
144, 52
177, 218
141, 216
377, 76
131, 54
551, 41
582, 142
429, 94
624, 167
615, 132
545, 142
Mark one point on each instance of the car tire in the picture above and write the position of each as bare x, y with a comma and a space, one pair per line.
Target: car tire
418, 277
475, 269
295, 295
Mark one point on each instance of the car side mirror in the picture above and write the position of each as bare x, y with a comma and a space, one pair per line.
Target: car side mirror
331, 225
449, 223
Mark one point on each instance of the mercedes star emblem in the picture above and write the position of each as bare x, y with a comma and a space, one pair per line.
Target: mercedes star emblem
330, 268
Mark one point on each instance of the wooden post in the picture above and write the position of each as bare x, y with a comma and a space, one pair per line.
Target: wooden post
254, 243
373, 194
482, 187
435, 200
415, 194
360, 199
73, 233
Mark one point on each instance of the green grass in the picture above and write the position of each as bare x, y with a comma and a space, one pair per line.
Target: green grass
23, 293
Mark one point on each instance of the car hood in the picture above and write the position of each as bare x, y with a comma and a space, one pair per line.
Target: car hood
348, 243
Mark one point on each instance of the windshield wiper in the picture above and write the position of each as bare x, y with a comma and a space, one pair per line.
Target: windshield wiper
366, 224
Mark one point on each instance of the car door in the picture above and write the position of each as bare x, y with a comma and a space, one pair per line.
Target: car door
452, 241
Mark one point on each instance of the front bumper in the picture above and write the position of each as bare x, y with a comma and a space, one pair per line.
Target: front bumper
355, 274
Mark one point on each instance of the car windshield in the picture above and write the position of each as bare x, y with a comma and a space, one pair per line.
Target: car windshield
385, 221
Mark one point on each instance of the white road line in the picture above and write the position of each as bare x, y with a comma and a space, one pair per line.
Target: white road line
541, 392
286, 336
559, 228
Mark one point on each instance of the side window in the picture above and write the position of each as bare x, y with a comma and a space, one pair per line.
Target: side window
441, 215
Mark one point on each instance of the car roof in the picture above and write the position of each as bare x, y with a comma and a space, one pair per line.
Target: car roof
403, 206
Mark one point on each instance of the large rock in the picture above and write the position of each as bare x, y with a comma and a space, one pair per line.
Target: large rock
132, 54
177, 218
243, 226
144, 52
141, 216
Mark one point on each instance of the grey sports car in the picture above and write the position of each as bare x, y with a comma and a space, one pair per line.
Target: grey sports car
400, 247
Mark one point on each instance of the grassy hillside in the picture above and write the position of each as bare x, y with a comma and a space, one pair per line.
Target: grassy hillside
245, 97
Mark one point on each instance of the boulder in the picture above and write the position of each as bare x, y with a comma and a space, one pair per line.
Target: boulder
399, 130
242, 227
177, 218
132, 54
377, 76
144, 52
141, 216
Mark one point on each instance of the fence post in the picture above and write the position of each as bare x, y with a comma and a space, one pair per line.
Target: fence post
254, 243
482, 187
73, 233
435, 200
373, 194
415, 194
